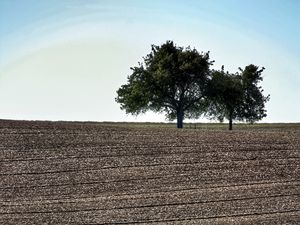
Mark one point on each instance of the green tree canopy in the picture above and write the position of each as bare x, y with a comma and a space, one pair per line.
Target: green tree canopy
170, 79
237, 96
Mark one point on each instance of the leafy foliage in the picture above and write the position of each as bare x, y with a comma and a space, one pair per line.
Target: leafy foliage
237, 96
179, 82
253, 108
170, 79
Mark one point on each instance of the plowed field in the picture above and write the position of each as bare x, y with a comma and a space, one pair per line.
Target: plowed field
92, 173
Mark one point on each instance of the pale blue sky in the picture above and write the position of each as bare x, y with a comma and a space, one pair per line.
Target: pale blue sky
65, 59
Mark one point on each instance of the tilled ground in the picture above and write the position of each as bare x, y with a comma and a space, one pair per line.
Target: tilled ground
89, 173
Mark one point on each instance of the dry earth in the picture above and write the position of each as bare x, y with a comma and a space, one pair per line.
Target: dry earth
89, 173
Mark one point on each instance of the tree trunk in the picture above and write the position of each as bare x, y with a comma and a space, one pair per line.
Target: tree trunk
180, 115
230, 121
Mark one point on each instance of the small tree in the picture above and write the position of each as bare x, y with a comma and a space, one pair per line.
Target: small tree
225, 96
170, 79
237, 96
253, 107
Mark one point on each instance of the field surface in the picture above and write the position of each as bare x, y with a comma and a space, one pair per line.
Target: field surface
92, 173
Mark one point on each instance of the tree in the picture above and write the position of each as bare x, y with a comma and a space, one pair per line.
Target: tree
225, 96
253, 107
237, 96
170, 79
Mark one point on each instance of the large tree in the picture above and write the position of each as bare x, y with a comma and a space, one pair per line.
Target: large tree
237, 96
170, 79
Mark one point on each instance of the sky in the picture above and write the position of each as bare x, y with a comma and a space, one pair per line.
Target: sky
65, 59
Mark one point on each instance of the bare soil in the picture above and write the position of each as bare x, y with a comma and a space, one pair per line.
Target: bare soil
93, 173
